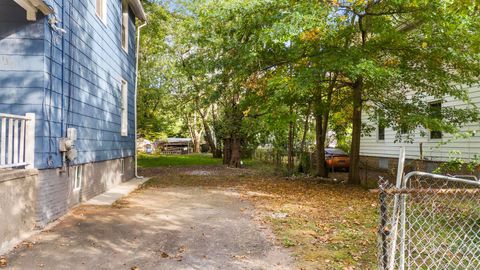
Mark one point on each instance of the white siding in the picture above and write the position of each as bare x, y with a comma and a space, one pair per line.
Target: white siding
432, 150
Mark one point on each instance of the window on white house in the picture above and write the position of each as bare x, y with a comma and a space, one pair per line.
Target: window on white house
77, 177
101, 9
125, 25
124, 108
381, 127
381, 132
436, 112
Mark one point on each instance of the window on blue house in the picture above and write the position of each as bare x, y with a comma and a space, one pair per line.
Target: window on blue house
101, 9
124, 108
125, 25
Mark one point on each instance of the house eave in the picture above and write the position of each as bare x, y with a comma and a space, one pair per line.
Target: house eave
137, 9
32, 6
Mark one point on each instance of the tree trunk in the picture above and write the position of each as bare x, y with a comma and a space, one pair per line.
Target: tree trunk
325, 119
208, 133
232, 152
291, 135
301, 169
320, 145
218, 149
209, 138
354, 174
235, 157
195, 134
321, 128
227, 145
196, 143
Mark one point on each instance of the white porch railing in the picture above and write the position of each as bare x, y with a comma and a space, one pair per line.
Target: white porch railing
17, 140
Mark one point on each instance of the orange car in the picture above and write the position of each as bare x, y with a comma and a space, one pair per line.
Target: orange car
336, 159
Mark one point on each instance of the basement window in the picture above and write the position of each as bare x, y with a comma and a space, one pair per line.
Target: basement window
383, 163
77, 177
125, 26
124, 108
122, 166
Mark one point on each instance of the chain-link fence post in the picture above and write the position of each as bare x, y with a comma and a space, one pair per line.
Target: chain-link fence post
383, 229
430, 222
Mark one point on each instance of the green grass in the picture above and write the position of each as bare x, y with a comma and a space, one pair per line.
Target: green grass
151, 161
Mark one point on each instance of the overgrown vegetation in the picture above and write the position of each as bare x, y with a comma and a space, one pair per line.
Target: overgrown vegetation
282, 74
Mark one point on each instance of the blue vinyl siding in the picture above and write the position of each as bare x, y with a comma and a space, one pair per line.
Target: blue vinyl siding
21, 65
81, 70
93, 65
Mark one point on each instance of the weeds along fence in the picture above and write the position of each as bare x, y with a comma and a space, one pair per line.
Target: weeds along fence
430, 222
280, 158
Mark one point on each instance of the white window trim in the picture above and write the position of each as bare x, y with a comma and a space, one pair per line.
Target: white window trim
103, 16
378, 134
124, 107
124, 23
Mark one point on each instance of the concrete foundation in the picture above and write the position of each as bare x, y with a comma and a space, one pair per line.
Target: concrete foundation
57, 192
17, 206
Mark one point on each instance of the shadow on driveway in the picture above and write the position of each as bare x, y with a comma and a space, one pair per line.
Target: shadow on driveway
162, 228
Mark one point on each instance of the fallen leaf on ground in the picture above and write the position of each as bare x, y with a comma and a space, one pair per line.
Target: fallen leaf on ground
3, 262
240, 257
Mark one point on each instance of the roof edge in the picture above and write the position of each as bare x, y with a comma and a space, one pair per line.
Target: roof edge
137, 9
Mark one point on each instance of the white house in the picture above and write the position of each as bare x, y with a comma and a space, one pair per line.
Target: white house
380, 150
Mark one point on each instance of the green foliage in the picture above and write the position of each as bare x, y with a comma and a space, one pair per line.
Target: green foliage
458, 165
157, 108
257, 68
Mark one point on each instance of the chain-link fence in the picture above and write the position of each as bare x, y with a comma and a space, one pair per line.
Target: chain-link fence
429, 222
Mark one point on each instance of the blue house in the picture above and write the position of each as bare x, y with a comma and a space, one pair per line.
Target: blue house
69, 69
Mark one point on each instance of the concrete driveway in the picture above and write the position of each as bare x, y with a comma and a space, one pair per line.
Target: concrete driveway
157, 228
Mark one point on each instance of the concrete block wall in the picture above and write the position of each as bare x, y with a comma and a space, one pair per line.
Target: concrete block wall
389, 165
102, 176
17, 206
55, 188
52, 196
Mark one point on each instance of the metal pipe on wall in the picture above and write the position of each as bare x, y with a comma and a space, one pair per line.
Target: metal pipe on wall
135, 97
